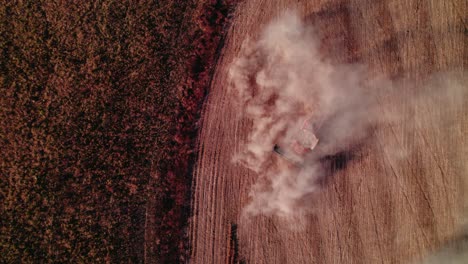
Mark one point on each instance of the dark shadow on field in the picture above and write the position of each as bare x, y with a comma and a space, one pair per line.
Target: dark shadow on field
332, 164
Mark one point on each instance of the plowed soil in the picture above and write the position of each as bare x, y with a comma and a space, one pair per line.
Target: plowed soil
372, 211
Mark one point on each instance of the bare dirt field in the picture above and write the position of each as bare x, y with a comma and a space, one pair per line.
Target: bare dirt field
375, 210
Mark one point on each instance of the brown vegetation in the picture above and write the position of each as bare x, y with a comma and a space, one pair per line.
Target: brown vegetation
97, 126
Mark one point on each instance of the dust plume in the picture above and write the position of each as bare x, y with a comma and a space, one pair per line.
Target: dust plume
282, 81
454, 252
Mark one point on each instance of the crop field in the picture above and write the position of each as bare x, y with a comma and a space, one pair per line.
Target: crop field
373, 207
119, 132
98, 120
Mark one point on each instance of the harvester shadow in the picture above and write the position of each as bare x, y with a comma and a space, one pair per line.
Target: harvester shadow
335, 163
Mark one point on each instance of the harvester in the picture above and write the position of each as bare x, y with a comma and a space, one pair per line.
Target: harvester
303, 143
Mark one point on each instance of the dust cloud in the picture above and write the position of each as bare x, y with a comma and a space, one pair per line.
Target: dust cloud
455, 252
282, 80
